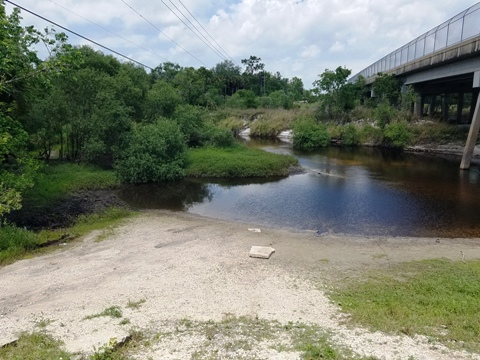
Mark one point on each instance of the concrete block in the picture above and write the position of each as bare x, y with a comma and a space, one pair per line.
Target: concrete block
262, 252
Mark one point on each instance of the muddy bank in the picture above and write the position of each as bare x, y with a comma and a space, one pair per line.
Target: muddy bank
63, 213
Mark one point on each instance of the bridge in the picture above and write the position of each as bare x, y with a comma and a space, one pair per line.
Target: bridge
443, 67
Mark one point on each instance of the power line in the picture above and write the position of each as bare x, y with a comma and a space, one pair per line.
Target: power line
111, 32
161, 32
77, 34
180, 1
209, 45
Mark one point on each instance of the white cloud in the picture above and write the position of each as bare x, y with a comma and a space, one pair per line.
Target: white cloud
297, 38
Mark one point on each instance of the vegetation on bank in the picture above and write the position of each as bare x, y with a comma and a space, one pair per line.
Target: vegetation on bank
237, 161
17, 243
436, 298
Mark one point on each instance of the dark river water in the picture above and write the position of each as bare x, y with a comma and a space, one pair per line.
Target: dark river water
351, 191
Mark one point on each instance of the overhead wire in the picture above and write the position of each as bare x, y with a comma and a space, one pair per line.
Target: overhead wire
161, 32
206, 32
198, 33
111, 32
79, 35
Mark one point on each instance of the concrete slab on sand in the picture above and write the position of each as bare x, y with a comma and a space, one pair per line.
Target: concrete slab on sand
262, 252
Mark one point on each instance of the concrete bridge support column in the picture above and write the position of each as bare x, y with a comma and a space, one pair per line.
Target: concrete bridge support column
474, 128
418, 106
472, 138
431, 107
460, 103
445, 101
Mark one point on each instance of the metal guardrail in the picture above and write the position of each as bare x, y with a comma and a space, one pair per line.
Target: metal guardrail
453, 31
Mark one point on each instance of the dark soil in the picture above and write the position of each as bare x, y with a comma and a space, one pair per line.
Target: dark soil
63, 213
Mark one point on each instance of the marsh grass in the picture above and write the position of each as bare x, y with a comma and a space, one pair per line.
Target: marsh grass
55, 181
436, 298
237, 162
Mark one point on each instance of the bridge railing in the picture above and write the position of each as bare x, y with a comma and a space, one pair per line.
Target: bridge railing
453, 31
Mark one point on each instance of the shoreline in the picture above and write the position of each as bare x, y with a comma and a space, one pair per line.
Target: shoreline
186, 266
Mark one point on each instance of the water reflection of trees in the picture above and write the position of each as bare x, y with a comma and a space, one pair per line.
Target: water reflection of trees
176, 196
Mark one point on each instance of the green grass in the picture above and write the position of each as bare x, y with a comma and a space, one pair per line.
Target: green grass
34, 346
55, 181
436, 298
17, 243
237, 162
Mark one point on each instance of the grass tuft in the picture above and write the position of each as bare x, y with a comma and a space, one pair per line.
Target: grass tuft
112, 311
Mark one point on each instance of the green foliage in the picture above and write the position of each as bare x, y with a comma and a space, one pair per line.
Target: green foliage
387, 89
34, 346
219, 137
15, 242
437, 298
192, 123
110, 351
156, 152
242, 99
371, 135
384, 113
350, 135
55, 181
397, 134
161, 100
309, 135
237, 162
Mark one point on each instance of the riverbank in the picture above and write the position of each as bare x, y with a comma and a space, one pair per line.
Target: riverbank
188, 274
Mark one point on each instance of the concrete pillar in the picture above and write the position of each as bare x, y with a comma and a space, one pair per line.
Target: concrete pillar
472, 137
418, 106
461, 96
445, 107
431, 107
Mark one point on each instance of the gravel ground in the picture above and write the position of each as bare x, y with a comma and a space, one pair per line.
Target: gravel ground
189, 273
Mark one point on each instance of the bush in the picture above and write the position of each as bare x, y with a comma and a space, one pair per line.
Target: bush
370, 135
220, 137
397, 135
350, 135
233, 124
309, 135
384, 113
242, 99
156, 152
192, 122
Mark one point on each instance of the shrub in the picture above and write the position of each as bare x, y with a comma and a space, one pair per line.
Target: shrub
156, 153
350, 135
192, 122
242, 99
384, 113
370, 135
309, 135
397, 135
220, 137
233, 124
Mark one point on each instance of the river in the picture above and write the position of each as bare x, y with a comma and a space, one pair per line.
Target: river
359, 191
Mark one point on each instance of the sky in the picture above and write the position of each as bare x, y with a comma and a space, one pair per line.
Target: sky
298, 38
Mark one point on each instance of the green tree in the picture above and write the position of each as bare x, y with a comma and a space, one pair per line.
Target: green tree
387, 88
20, 71
161, 100
156, 152
229, 77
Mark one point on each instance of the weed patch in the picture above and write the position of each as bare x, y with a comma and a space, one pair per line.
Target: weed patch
112, 311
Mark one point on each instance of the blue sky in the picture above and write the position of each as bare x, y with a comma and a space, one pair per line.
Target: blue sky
294, 37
